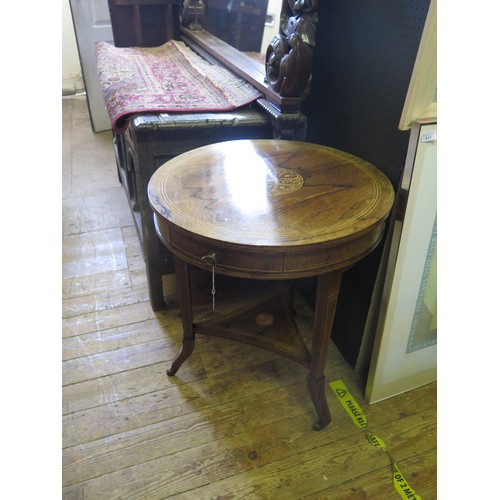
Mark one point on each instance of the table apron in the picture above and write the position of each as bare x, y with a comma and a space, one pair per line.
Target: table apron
267, 263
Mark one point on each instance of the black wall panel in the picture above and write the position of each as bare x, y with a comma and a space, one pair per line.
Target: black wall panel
363, 62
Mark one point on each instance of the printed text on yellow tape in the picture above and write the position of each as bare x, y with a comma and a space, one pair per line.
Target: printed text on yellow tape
358, 417
402, 485
349, 403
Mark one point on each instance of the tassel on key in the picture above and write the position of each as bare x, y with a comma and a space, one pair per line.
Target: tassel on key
213, 288
210, 260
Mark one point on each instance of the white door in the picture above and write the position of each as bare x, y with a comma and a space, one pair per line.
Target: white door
92, 24
404, 355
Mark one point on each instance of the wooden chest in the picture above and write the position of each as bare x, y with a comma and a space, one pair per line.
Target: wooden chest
152, 139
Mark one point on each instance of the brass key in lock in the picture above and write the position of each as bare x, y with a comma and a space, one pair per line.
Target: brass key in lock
210, 259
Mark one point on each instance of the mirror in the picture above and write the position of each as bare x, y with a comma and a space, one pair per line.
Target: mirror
246, 25
231, 31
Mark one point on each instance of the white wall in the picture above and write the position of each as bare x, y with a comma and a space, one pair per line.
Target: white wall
273, 7
72, 79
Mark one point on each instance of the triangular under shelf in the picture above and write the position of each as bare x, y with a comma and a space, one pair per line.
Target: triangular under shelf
267, 322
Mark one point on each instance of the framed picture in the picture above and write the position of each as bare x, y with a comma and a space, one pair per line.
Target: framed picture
404, 354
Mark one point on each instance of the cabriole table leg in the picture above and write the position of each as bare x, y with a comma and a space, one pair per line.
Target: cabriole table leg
326, 301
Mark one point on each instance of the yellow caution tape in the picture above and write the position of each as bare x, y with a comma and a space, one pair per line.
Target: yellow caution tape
349, 403
375, 441
402, 485
358, 417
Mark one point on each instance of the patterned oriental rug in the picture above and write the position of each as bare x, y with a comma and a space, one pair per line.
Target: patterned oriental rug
170, 78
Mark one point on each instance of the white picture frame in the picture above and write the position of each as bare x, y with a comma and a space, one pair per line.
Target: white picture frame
400, 362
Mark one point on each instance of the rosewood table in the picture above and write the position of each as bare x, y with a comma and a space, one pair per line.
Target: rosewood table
270, 210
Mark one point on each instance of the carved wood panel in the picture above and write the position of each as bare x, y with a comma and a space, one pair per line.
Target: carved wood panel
290, 53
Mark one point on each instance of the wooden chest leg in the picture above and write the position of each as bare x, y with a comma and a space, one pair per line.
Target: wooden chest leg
182, 274
154, 265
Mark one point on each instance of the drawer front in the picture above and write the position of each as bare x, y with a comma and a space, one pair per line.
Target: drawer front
235, 263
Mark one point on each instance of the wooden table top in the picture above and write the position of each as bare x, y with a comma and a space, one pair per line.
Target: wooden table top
271, 193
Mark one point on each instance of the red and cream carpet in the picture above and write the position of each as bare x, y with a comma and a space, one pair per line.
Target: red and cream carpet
167, 79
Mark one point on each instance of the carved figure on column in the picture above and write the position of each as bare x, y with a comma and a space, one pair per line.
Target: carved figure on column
289, 55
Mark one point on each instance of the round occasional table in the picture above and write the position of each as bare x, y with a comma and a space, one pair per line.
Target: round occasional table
270, 210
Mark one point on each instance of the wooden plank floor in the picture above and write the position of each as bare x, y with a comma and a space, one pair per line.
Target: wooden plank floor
236, 421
